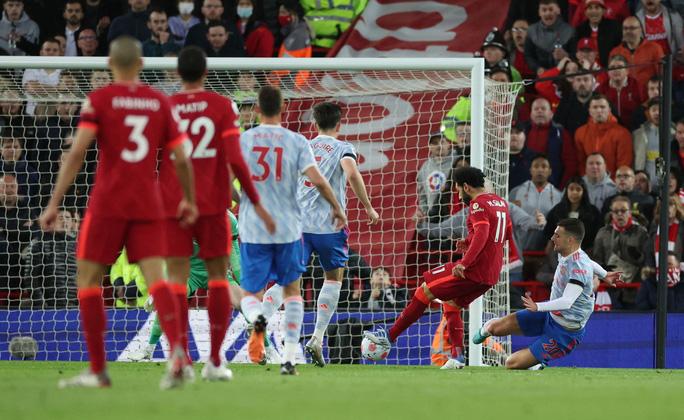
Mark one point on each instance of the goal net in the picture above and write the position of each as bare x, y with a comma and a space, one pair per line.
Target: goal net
393, 110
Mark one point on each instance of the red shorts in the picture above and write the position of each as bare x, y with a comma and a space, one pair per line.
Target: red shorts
212, 232
102, 238
445, 286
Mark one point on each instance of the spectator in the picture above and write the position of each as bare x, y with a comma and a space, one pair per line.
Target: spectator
520, 158
573, 109
432, 175
15, 221
296, 42
197, 35
662, 25
19, 34
218, 37
537, 196
49, 265
674, 184
599, 184
652, 91
98, 15
133, 23
604, 31
448, 201
383, 295
642, 182
76, 196
619, 247
677, 146
675, 235
73, 16
169, 81
642, 204
25, 175
329, 20
359, 273
647, 140
160, 43
574, 204
616, 10
99, 78
602, 134
545, 136
41, 82
183, 21
548, 40
553, 88
622, 90
494, 51
88, 45
517, 50
647, 296
12, 115
645, 55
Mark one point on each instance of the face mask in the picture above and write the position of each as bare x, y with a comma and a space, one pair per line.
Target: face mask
185, 8
244, 12
285, 20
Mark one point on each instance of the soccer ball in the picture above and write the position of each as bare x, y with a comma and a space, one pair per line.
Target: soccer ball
372, 351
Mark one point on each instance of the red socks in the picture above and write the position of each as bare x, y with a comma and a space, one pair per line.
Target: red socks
410, 314
180, 293
93, 323
455, 328
167, 311
219, 309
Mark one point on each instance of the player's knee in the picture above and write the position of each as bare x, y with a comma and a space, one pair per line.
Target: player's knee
513, 363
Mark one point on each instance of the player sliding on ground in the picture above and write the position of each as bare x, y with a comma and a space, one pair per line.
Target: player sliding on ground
559, 323
337, 162
277, 157
211, 121
458, 284
132, 122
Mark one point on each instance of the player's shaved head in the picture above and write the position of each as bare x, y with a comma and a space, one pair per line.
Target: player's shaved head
125, 53
192, 64
270, 101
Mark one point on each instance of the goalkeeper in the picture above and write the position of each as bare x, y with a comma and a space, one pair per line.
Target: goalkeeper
199, 280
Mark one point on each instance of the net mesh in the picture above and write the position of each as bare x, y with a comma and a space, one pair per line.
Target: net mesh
387, 115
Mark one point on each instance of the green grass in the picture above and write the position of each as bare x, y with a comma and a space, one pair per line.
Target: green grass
28, 391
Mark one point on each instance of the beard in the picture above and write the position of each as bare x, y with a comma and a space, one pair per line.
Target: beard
466, 199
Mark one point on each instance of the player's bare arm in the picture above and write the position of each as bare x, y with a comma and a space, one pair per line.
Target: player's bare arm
82, 140
611, 278
323, 187
359, 187
187, 208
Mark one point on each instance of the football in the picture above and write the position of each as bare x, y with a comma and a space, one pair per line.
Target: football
373, 351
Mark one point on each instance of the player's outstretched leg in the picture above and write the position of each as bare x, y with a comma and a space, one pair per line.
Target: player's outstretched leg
93, 324
294, 316
455, 328
413, 311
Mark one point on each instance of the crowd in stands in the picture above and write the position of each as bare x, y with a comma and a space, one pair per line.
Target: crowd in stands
584, 142
585, 139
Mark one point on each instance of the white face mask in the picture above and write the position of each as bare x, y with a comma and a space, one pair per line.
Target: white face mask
185, 8
245, 12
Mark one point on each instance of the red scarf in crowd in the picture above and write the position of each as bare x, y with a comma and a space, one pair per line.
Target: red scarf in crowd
624, 228
672, 234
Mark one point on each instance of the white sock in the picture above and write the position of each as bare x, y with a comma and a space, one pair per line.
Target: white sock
251, 308
326, 306
485, 328
294, 315
272, 300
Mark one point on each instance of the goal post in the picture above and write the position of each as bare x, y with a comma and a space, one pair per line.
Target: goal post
391, 107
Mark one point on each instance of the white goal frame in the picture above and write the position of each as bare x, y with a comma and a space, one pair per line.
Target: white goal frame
473, 65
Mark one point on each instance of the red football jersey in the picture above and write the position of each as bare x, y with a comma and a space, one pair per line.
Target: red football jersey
211, 122
132, 121
484, 259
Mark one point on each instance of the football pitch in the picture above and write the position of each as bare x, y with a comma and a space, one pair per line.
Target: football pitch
28, 391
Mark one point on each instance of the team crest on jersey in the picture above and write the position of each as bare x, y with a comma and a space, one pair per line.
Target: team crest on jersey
436, 181
476, 206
